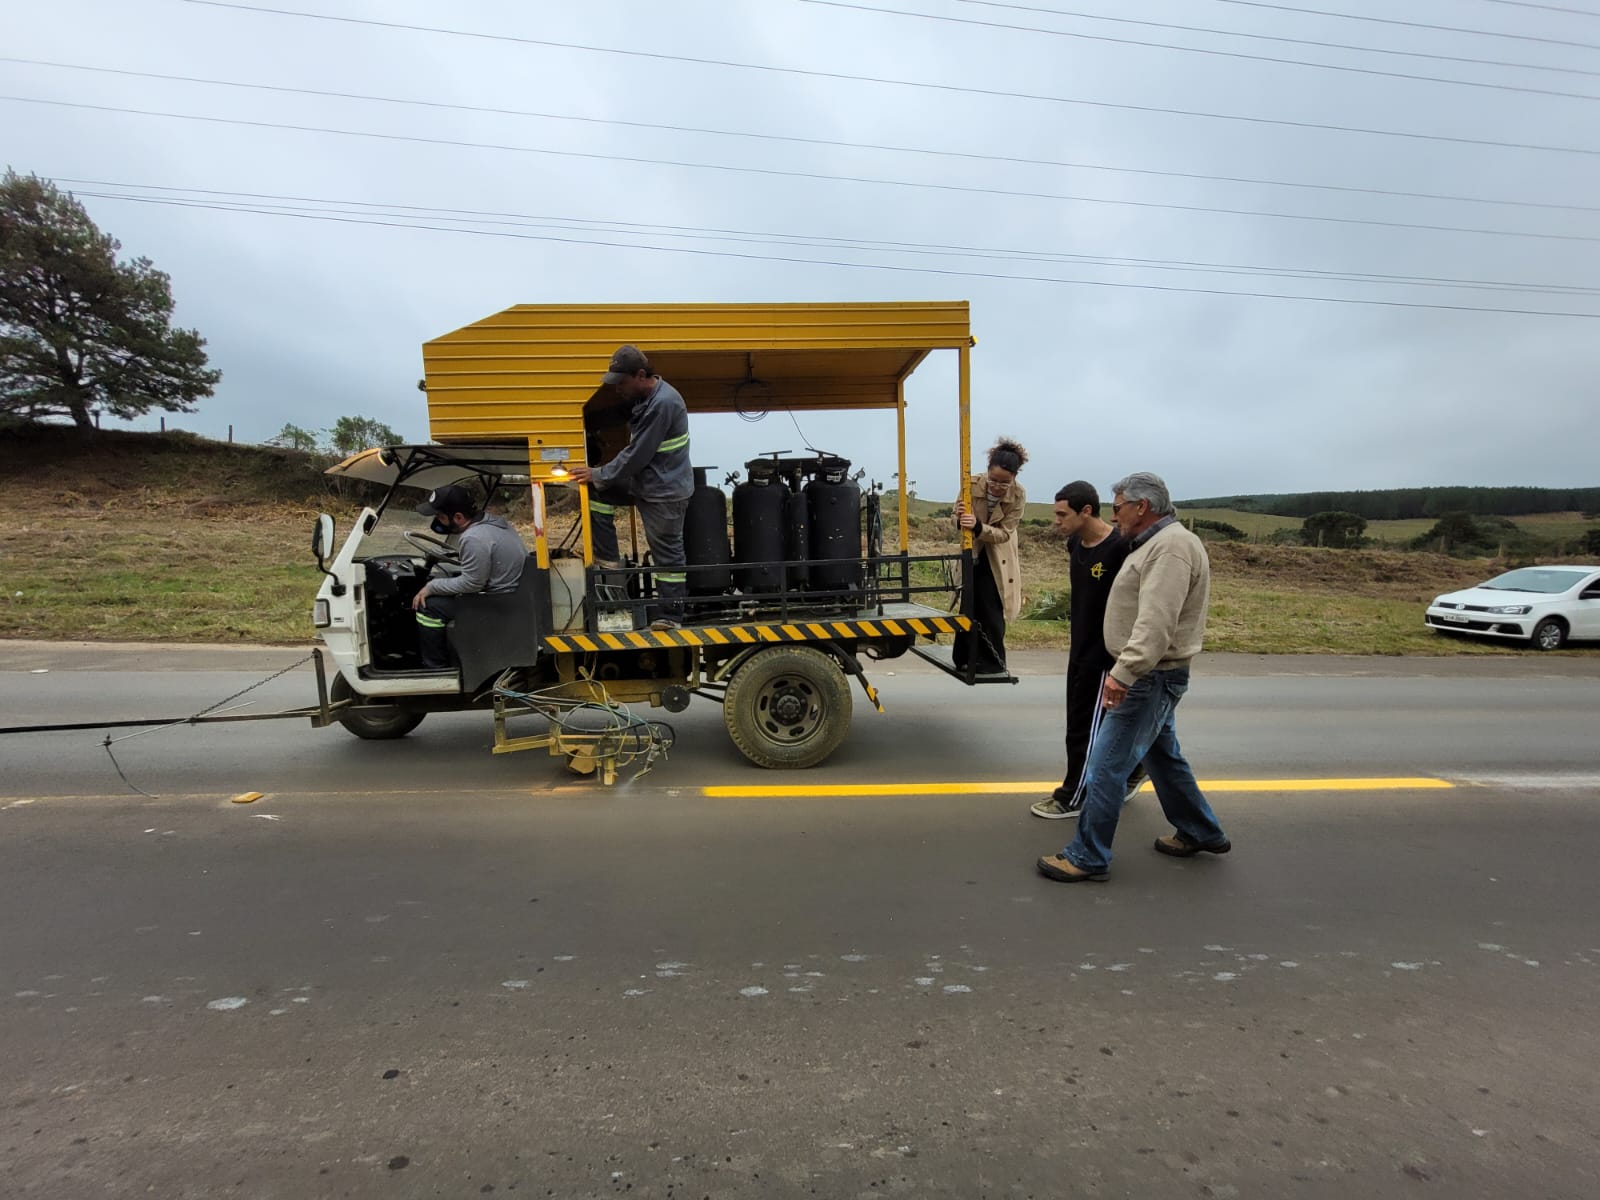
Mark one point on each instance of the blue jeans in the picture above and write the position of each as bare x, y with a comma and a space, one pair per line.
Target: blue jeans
1140, 728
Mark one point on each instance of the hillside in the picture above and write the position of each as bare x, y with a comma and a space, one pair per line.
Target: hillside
174, 538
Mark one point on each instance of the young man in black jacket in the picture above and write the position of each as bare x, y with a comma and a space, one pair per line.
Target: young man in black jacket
1095, 550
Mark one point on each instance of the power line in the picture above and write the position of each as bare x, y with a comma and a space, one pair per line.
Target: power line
1237, 54
1293, 41
805, 141
771, 237
1577, 12
899, 269
1343, 16
957, 89
812, 175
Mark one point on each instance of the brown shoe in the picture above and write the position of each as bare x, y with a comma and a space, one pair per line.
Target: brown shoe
1064, 870
1179, 846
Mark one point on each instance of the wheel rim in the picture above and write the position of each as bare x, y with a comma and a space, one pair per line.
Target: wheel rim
789, 709
1549, 635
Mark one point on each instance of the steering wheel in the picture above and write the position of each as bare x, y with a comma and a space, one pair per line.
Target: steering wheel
434, 549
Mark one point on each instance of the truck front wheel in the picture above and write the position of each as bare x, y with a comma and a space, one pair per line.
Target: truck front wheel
788, 707
372, 721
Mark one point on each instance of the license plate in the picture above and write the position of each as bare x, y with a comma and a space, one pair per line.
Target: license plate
1454, 618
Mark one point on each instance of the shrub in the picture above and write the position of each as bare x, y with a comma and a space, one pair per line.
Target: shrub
1335, 528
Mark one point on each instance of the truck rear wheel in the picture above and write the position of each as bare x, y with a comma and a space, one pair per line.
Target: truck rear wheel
787, 707
376, 723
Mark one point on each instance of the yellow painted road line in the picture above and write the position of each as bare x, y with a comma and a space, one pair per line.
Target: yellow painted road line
771, 791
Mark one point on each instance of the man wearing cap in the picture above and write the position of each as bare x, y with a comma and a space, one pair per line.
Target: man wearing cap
491, 553
652, 473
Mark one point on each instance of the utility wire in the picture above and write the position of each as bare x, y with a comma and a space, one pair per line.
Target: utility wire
1236, 54
775, 172
973, 156
957, 89
909, 270
1344, 16
1577, 12
1292, 41
781, 238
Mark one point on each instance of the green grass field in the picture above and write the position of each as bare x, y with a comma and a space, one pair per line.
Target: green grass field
183, 540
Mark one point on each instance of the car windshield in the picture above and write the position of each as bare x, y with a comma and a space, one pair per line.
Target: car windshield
388, 536
1548, 580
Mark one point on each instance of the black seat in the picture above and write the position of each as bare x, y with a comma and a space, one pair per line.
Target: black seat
493, 632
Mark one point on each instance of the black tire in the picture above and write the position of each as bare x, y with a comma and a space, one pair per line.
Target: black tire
788, 707
1549, 634
375, 723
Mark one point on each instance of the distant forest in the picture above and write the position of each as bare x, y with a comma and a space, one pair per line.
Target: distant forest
1400, 504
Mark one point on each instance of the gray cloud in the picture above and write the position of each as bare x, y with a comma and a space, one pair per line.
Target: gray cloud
312, 319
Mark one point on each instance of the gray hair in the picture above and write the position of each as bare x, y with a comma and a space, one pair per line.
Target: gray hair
1142, 485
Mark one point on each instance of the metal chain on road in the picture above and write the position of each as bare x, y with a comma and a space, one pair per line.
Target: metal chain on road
190, 720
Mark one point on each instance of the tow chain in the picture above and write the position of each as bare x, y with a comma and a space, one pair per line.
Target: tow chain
189, 720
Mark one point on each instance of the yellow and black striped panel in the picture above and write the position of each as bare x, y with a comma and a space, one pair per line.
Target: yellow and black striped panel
751, 635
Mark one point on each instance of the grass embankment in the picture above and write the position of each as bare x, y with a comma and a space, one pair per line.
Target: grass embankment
139, 537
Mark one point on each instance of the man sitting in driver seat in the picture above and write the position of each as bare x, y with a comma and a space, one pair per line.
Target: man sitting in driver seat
491, 556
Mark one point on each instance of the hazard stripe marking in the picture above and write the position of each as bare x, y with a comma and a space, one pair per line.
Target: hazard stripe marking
918, 626
892, 627
612, 641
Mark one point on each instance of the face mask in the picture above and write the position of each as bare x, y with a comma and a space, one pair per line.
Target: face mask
439, 527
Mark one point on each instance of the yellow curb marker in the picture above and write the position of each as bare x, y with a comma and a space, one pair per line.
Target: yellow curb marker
248, 797
775, 791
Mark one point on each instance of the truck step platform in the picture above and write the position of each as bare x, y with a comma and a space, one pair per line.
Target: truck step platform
940, 656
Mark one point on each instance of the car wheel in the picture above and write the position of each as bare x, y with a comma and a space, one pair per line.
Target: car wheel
375, 723
787, 707
1549, 634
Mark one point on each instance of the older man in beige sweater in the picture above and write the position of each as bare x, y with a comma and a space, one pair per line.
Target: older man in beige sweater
1155, 622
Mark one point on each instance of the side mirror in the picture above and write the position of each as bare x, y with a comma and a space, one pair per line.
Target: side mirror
322, 547
322, 540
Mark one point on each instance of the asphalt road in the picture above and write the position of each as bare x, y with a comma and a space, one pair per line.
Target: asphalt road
415, 969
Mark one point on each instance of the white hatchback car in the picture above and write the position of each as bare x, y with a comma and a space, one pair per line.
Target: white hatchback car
1543, 605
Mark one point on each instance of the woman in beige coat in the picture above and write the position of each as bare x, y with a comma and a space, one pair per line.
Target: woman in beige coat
992, 510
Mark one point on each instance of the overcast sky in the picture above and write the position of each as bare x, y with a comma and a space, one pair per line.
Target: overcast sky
1005, 166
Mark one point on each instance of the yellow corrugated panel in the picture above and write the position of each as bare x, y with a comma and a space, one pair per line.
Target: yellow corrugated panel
528, 371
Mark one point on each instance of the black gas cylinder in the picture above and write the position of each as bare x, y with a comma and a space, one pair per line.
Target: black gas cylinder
705, 539
834, 503
758, 528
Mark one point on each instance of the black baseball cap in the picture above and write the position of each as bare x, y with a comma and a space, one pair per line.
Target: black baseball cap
452, 498
627, 362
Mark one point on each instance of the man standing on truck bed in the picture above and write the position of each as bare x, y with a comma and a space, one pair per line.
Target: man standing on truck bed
492, 556
652, 473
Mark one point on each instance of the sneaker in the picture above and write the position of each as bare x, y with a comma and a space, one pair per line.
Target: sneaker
1134, 785
660, 624
1052, 809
